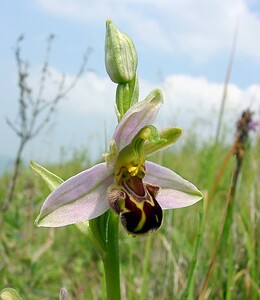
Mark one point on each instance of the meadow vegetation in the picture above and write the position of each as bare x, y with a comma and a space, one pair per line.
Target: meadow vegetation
206, 251
37, 262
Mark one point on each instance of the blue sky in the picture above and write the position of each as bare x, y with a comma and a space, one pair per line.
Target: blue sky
183, 48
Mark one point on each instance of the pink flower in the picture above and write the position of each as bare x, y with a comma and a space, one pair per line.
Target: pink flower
136, 189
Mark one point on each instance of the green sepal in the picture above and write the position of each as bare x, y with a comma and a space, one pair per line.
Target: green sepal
51, 180
9, 294
126, 96
165, 139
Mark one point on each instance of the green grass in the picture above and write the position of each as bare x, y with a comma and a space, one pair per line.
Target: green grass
37, 262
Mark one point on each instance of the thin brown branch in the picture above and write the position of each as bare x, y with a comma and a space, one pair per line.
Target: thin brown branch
35, 113
13, 127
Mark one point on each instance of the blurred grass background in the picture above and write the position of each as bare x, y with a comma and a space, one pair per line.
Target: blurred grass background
37, 262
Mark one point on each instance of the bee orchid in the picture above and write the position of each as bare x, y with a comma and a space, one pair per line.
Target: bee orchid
134, 188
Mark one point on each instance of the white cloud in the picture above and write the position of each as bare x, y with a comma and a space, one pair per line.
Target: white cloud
188, 101
191, 103
92, 95
200, 29
186, 98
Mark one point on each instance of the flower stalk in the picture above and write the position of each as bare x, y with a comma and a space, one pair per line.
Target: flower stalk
111, 258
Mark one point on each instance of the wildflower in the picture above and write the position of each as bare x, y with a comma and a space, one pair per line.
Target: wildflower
136, 189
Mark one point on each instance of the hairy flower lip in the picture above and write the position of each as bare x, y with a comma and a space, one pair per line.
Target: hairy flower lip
140, 213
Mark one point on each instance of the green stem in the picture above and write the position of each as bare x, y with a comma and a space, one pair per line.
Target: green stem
187, 292
231, 269
111, 258
131, 271
145, 268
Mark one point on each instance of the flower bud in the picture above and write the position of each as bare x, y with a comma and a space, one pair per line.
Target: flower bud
9, 294
120, 55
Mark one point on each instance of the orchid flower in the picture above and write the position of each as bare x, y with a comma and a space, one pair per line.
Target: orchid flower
134, 188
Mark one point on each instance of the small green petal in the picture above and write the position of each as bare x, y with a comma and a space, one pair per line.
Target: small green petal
165, 139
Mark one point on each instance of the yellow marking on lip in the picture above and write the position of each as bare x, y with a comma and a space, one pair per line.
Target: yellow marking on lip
157, 219
140, 206
141, 222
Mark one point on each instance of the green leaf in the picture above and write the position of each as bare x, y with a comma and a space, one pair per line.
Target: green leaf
9, 294
167, 137
51, 180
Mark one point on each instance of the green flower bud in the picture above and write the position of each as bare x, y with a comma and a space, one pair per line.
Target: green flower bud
120, 55
9, 294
